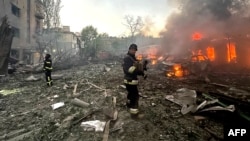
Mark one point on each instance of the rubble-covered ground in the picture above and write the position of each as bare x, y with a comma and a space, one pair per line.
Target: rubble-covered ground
26, 112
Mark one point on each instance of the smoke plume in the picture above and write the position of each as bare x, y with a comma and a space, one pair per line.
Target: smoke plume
213, 19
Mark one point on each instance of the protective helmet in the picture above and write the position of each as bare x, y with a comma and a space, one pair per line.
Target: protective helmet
133, 46
47, 56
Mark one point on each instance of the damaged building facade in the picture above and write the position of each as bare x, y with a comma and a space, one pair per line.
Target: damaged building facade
68, 41
64, 43
218, 30
25, 18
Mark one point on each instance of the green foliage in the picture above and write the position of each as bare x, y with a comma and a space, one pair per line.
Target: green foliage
93, 42
89, 35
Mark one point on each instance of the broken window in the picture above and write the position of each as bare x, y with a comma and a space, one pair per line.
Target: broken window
15, 10
231, 52
210, 53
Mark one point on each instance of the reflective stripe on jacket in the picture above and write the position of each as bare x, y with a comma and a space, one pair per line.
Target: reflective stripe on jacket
130, 72
47, 65
133, 82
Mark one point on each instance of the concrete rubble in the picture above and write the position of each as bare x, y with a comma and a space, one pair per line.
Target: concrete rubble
171, 108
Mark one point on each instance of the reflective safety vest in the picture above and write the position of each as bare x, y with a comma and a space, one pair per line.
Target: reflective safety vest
133, 82
47, 65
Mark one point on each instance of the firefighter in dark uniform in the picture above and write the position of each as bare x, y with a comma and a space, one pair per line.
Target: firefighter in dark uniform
47, 67
130, 79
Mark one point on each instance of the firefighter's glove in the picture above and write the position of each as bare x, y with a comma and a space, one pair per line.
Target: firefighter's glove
145, 76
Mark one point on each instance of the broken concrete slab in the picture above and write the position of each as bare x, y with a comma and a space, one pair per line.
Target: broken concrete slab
97, 125
57, 105
183, 96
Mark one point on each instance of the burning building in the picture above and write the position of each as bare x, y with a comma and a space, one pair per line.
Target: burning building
216, 29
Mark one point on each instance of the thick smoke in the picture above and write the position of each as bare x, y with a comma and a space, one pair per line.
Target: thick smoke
214, 19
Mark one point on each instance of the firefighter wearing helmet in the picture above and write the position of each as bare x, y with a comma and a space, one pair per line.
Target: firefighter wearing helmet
131, 69
47, 67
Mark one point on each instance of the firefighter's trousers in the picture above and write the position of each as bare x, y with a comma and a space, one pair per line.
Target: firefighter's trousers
133, 96
48, 78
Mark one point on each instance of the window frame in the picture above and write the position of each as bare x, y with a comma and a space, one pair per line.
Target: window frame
15, 10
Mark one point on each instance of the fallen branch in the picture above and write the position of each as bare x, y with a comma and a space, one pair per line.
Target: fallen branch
105, 91
96, 86
74, 91
114, 118
86, 89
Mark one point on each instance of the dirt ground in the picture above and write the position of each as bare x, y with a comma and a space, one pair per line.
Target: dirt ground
26, 112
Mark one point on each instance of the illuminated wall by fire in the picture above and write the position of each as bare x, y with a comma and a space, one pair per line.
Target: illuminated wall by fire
210, 53
242, 48
231, 53
218, 52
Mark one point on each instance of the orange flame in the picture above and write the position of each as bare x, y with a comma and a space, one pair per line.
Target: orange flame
210, 53
231, 52
154, 62
199, 56
153, 58
139, 57
178, 70
196, 36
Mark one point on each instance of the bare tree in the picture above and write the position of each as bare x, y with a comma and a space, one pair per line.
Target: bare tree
47, 38
51, 10
134, 25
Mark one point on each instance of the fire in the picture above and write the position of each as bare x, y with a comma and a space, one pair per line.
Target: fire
154, 62
231, 52
153, 58
198, 56
139, 57
196, 36
210, 53
177, 71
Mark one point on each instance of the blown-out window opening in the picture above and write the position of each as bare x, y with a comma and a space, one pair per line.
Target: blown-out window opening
15, 10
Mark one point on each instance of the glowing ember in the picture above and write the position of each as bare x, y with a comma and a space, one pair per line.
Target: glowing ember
231, 52
154, 62
151, 56
178, 70
198, 56
169, 74
210, 53
139, 57
196, 36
